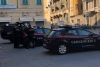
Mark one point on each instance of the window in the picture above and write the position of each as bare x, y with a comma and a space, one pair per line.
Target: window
84, 32
39, 2
95, 19
25, 2
86, 5
46, 31
39, 23
81, 6
72, 21
38, 31
78, 20
95, 3
3, 2
71, 32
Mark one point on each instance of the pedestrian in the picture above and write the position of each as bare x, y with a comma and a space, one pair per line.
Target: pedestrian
17, 35
30, 33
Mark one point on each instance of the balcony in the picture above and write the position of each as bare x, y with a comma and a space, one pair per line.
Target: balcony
89, 11
97, 9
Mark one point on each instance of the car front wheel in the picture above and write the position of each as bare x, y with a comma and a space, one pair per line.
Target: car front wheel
62, 49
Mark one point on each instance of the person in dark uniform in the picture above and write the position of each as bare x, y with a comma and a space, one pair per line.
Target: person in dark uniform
30, 33
17, 35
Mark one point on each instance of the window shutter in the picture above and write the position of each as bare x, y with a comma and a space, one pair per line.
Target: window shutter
39, 2
3, 2
25, 2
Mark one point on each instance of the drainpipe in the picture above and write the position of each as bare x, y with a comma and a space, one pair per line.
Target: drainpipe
17, 4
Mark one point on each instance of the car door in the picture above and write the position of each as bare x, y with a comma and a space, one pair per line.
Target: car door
87, 40
72, 37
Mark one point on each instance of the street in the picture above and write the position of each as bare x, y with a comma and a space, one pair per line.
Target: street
40, 57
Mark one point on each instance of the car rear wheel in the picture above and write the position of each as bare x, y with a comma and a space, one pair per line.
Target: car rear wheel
32, 44
62, 49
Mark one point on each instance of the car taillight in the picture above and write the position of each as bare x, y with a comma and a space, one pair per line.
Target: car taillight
25, 35
51, 39
11, 32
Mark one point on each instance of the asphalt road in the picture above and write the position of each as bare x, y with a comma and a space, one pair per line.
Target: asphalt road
40, 57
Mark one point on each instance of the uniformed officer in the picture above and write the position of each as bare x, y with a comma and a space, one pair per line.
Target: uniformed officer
17, 35
30, 33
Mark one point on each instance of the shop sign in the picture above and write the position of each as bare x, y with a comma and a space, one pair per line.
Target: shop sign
7, 6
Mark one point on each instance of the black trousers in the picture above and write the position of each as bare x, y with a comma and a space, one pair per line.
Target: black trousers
17, 40
25, 42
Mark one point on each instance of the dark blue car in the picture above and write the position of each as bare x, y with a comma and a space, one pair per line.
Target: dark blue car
63, 39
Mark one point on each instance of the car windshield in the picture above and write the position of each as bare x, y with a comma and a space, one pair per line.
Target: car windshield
46, 31
38, 31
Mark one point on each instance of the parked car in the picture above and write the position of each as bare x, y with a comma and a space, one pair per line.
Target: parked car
7, 33
67, 38
39, 35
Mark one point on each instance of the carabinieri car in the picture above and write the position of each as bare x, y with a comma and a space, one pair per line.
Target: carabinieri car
67, 38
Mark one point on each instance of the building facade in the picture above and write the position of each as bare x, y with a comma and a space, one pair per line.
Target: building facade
59, 11
68, 11
76, 12
29, 11
91, 10
46, 8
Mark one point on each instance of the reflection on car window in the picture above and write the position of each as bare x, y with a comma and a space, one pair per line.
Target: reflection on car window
84, 32
71, 32
46, 31
38, 31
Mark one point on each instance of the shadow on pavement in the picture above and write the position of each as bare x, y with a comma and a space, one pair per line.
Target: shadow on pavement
50, 53
71, 52
6, 43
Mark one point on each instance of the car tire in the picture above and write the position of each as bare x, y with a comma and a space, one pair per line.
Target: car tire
32, 44
11, 40
62, 49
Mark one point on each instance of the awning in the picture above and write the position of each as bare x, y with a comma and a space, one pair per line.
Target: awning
39, 19
5, 19
26, 19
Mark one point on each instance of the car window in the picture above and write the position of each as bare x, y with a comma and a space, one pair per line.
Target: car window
38, 31
46, 31
84, 32
54, 33
71, 32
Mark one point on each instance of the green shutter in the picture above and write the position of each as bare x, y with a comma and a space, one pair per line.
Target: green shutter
39, 2
3, 2
25, 2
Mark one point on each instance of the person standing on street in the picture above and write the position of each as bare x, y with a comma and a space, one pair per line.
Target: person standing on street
17, 35
30, 33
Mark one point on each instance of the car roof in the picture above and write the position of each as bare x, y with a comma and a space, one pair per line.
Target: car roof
42, 28
66, 28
